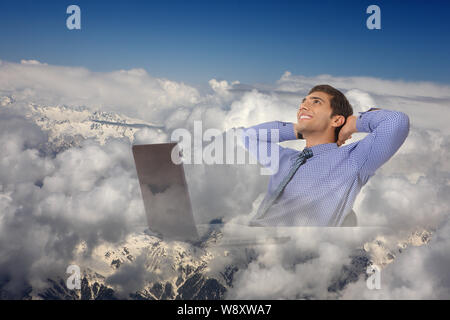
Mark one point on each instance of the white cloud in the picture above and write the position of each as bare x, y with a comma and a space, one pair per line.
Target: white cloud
419, 273
131, 92
35, 62
91, 193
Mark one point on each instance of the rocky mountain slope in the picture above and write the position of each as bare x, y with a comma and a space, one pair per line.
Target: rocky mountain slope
165, 270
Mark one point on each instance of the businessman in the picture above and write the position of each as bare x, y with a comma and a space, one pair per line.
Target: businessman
318, 185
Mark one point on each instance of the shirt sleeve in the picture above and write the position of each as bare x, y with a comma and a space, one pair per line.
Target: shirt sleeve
387, 131
262, 140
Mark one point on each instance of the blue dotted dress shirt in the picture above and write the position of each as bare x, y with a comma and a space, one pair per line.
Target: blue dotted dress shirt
323, 190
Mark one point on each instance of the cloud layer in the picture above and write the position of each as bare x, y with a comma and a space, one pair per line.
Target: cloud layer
50, 202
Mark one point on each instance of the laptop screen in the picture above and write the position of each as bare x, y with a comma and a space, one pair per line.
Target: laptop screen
164, 191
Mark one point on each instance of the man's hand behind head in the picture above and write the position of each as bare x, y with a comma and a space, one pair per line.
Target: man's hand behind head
347, 130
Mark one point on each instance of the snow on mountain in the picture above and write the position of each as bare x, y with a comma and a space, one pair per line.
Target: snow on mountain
67, 126
179, 270
175, 270
6, 100
169, 270
382, 251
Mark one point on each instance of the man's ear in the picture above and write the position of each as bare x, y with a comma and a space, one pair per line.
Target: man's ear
338, 120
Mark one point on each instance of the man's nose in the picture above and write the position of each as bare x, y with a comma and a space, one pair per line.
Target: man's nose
304, 106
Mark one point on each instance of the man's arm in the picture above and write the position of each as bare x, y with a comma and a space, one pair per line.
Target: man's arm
387, 131
286, 131
261, 136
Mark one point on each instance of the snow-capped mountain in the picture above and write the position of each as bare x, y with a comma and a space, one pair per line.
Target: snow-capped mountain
178, 271
382, 252
168, 270
181, 270
68, 126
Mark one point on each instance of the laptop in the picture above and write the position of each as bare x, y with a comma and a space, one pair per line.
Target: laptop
167, 202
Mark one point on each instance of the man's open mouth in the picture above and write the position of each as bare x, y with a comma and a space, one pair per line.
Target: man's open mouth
304, 117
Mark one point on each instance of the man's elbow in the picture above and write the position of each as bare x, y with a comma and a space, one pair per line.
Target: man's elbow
402, 123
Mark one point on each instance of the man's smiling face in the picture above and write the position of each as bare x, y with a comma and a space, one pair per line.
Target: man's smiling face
314, 113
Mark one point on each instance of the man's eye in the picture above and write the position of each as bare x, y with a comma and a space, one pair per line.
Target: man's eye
316, 101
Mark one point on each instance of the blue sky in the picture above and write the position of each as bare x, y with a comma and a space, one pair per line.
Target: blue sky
249, 41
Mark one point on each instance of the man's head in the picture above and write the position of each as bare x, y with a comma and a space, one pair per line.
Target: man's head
323, 111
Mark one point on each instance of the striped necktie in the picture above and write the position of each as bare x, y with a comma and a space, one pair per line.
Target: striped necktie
267, 202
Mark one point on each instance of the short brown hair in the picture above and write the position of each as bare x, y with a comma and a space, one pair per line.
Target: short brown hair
339, 103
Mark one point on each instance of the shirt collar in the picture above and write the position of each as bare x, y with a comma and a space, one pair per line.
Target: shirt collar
324, 147
318, 149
